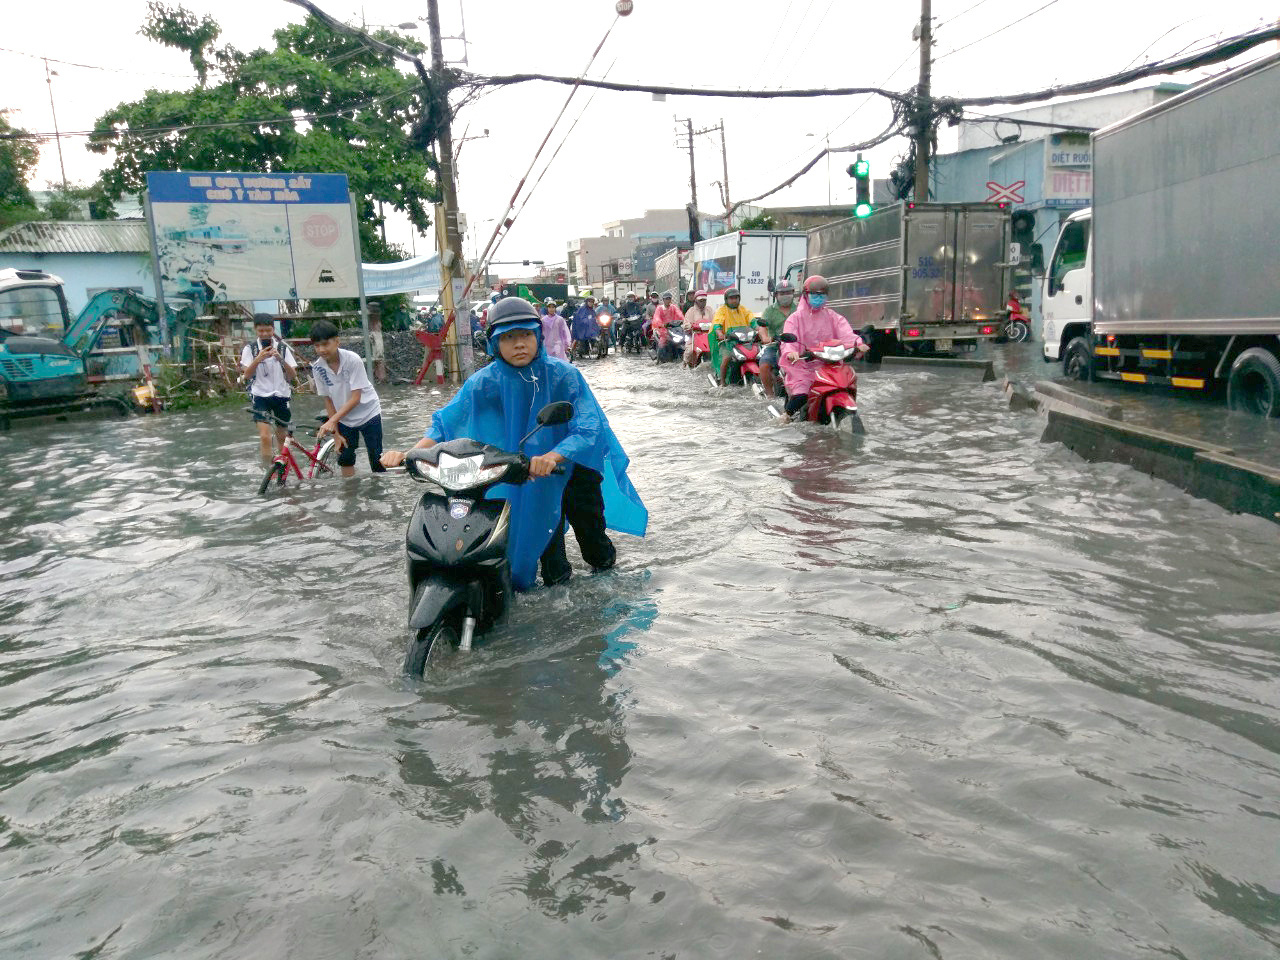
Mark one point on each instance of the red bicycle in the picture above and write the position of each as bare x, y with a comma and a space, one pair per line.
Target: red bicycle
320, 456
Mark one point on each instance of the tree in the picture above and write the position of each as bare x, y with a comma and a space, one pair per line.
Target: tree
320, 101
761, 221
18, 159
71, 203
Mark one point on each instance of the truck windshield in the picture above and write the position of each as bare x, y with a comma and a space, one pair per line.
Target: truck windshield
35, 311
1070, 254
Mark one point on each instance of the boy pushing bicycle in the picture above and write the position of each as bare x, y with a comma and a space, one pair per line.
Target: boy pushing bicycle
269, 365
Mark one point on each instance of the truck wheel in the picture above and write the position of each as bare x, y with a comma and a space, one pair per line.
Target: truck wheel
1254, 383
1077, 360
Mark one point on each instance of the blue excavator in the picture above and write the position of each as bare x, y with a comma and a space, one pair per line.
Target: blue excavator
52, 365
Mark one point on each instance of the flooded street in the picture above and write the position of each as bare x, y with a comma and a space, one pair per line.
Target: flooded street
937, 692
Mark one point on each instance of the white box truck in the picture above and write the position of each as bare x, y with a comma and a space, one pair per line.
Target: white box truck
748, 260
1168, 279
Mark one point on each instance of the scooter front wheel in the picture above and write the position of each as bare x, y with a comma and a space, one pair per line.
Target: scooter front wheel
428, 646
847, 421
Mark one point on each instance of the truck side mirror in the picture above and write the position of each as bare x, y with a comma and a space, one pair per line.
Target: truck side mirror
1037, 259
770, 285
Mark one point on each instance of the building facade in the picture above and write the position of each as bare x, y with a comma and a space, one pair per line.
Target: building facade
90, 256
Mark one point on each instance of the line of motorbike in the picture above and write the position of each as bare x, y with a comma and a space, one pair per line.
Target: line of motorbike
832, 398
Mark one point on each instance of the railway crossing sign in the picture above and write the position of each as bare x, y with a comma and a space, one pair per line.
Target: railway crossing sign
1002, 194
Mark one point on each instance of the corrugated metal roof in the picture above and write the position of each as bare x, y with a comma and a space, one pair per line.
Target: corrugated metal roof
76, 236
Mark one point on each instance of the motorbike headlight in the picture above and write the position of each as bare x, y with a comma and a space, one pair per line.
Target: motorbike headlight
461, 473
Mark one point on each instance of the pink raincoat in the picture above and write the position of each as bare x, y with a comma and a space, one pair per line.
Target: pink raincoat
555, 335
661, 317
813, 328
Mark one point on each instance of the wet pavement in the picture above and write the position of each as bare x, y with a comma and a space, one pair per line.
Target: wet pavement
942, 691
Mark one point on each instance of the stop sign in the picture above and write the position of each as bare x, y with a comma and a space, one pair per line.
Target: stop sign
623, 7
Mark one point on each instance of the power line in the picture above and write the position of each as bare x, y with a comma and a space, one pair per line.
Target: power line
967, 9
782, 58
511, 79
994, 32
1228, 49
112, 133
90, 66
816, 27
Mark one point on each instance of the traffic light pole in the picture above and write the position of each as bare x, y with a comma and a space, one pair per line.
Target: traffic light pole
924, 108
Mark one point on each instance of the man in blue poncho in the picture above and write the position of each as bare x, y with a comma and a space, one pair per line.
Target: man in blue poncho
498, 406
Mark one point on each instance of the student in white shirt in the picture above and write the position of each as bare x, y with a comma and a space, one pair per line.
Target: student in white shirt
349, 397
268, 366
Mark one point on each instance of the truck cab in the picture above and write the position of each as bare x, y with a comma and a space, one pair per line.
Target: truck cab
1068, 287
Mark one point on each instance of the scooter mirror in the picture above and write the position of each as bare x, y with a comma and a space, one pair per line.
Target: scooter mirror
789, 338
555, 413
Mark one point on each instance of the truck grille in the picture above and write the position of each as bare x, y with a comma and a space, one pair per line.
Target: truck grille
17, 367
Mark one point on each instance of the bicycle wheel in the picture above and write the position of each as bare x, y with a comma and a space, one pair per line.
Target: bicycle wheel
325, 458
429, 646
274, 472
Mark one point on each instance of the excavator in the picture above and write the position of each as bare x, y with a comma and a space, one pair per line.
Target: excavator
53, 365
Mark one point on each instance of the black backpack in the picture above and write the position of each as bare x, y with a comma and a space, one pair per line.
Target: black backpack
255, 348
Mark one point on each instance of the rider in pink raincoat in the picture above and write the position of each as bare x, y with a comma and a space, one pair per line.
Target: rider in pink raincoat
813, 323
555, 332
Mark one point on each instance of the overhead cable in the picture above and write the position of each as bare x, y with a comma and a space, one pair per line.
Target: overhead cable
971, 43
1228, 49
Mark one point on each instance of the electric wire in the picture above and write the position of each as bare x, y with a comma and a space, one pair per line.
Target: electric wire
782, 59
995, 32
967, 9
816, 27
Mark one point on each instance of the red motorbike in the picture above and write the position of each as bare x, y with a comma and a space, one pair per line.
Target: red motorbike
701, 342
744, 364
833, 395
1017, 327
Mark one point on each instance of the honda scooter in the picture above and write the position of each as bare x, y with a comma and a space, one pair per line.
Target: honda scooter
744, 359
456, 544
833, 395
676, 338
604, 321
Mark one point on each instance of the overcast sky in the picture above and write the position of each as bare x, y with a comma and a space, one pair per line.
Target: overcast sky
621, 158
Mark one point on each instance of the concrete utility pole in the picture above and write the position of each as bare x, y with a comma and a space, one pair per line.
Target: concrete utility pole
924, 108
452, 261
694, 235
724, 155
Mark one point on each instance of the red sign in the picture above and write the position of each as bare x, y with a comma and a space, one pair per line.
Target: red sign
1002, 194
320, 230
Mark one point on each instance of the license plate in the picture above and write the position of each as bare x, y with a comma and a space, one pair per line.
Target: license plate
942, 344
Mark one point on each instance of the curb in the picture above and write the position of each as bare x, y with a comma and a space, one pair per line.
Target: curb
1056, 391
1203, 470
986, 367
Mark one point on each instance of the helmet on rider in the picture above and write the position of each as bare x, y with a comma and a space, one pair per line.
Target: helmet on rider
732, 294
511, 313
700, 295
815, 284
665, 296
550, 301
784, 288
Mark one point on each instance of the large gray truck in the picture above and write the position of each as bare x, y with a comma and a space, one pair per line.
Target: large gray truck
928, 277
1170, 278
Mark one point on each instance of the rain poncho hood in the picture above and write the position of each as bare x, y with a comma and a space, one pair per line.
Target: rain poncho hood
499, 405
584, 323
812, 328
555, 335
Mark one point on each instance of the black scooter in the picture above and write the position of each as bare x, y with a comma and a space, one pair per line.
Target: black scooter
456, 544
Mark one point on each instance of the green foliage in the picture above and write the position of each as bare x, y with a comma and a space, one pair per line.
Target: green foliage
761, 221
366, 110
69, 203
18, 159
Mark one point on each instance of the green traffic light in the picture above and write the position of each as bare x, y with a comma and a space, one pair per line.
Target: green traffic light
862, 210
861, 169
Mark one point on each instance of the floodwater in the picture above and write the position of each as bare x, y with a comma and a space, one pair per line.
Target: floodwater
938, 692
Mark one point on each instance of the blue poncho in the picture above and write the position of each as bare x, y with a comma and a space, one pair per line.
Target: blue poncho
498, 406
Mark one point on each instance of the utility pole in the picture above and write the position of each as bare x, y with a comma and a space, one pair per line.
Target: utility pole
452, 261
924, 108
724, 155
48, 78
694, 235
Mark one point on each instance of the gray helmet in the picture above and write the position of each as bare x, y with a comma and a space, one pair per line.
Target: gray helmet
732, 292
511, 313
783, 286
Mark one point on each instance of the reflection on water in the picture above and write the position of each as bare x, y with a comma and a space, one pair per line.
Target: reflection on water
937, 691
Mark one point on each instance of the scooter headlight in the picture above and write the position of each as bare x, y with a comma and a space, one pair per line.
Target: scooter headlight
833, 353
460, 473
